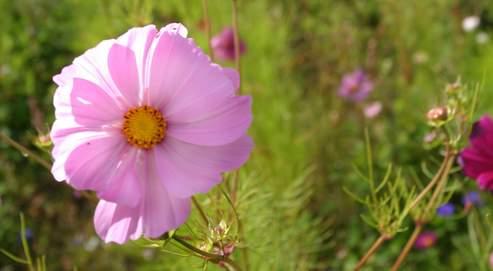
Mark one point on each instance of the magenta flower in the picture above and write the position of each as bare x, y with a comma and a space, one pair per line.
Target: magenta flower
146, 121
223, 45
477, 158
355, 86
425, 240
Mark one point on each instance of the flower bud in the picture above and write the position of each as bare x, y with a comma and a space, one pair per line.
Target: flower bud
437, 114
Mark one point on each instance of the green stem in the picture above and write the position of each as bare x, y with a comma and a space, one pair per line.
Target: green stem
374, 247
236, 39
205, 8
240, 228
407, 248
25, 245
218, 259
25, 151
440, 186
201, 211
438, 176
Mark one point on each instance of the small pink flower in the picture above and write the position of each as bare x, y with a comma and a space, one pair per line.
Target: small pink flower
355, 86
146, 121
477, 159
372, 110
223, 45
425, 240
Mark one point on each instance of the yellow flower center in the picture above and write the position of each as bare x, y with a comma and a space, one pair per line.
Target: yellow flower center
144, 127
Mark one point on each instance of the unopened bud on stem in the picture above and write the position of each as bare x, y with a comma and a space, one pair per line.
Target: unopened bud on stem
437, 114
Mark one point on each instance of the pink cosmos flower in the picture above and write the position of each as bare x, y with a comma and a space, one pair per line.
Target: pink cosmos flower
355, 86
223, 45
146, 121
477, 159
425, 240
372, 110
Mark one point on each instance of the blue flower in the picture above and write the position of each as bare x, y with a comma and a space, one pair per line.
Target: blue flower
446, 209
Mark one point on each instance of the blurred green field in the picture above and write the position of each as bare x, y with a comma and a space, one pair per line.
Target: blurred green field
295, 213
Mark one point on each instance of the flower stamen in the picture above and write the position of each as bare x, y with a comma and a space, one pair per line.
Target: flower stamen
144, 127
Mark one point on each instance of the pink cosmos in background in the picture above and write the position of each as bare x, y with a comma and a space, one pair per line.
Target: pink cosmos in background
477, 158
223, 45
146, 121
355, 86
372, 110
425, 240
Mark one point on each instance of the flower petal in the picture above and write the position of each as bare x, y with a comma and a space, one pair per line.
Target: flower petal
474, 162
66, 76
187, 169
93, 66
90, 105
139, 40
481, 135
123, 185
157, 213
485, 180
123, 69
66, 142
233, 75
225, 122
89, 165
160, 210
117, 223
170, 61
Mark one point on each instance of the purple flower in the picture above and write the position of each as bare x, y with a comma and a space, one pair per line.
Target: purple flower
446, 209
223, 44
477, 159
472, 199
425, 240
355, 86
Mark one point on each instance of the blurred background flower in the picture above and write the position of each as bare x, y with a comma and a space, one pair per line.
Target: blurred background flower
472, 199
372, 110
356, 86
446, 209
470, 23
223, 44
425, 240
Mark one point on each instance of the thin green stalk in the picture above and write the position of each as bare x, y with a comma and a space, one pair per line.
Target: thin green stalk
440, 186
236, 39
205, 8
369, 158
240, 229
25, 151
438, 176
407, 248
25, 245
374, 247
201, 211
